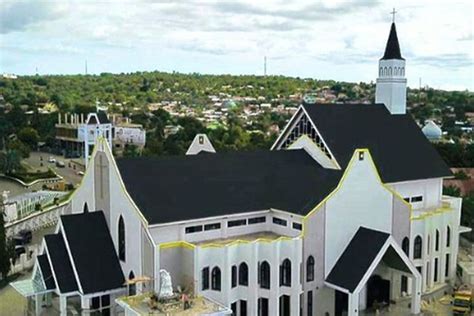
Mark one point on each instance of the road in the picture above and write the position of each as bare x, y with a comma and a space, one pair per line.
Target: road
68, 172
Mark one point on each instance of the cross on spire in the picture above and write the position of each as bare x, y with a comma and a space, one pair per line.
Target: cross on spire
393, 15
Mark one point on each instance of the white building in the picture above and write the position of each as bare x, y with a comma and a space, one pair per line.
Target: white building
126, 134
345, 210
77, 134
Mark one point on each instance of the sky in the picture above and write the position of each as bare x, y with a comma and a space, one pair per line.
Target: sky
321, 39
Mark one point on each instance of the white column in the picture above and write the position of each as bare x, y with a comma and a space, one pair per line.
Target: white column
85, 303
157, 270
353, 304
63, 305
38, 304
253, 280
274, 298
416, 295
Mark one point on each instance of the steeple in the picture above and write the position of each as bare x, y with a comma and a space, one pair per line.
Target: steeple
392, 50
391, 87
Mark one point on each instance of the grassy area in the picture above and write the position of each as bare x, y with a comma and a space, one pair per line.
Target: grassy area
28, 177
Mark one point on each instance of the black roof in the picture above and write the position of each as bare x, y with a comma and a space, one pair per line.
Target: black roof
399, 148
356, 259
46, 271
392, 50
60, 261
93, 252
180, 188
103, 119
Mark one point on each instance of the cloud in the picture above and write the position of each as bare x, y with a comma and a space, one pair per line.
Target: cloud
18, 16
315, 11
452, 60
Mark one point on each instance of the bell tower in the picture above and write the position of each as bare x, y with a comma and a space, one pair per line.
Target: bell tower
391, 86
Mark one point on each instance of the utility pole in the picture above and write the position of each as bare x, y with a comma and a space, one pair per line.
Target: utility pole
86, 67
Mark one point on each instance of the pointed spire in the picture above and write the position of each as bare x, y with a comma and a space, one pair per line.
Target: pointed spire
392, 50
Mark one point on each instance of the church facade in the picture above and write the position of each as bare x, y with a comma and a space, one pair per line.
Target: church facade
345, 211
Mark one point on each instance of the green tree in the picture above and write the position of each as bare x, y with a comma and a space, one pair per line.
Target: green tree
29, 136
9, 161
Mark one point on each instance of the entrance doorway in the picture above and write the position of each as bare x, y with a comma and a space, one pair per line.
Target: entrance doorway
341, 301
378, 290
284, 305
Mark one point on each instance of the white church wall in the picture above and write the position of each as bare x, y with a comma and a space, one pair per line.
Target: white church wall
177, 231
430, 189
179, 262
360, 201
252, 253
427, 226
314, 245
401, 222
121, 205
84, 193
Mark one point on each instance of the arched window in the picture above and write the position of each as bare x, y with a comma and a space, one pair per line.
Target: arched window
406, 246
264, 277
390, 71
216, 279
418, 247
395, 71
437, 240
86, 208
448, 236
243, 274
285, 273
403, 71
310, 269
121, 239
385, 71
380, 71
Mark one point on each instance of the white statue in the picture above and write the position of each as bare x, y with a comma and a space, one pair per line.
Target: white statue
166, 287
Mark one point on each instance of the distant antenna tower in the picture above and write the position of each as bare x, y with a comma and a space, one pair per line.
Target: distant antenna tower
265, 66
86, 67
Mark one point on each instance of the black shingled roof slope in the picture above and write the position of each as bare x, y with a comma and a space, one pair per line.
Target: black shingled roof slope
93, 252
46, 271
60, 263
180, 188
392, 50
400, 150
357, 258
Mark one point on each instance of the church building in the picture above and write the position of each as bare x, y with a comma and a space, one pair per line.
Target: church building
346, 210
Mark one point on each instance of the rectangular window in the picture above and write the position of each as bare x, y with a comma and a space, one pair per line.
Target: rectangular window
193, 229
418, 198
257, 220
243, 308
234, 276
212, 226
310, 303
279, 221
436, 270
446, 268
238, 222
205, 278
297, 226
